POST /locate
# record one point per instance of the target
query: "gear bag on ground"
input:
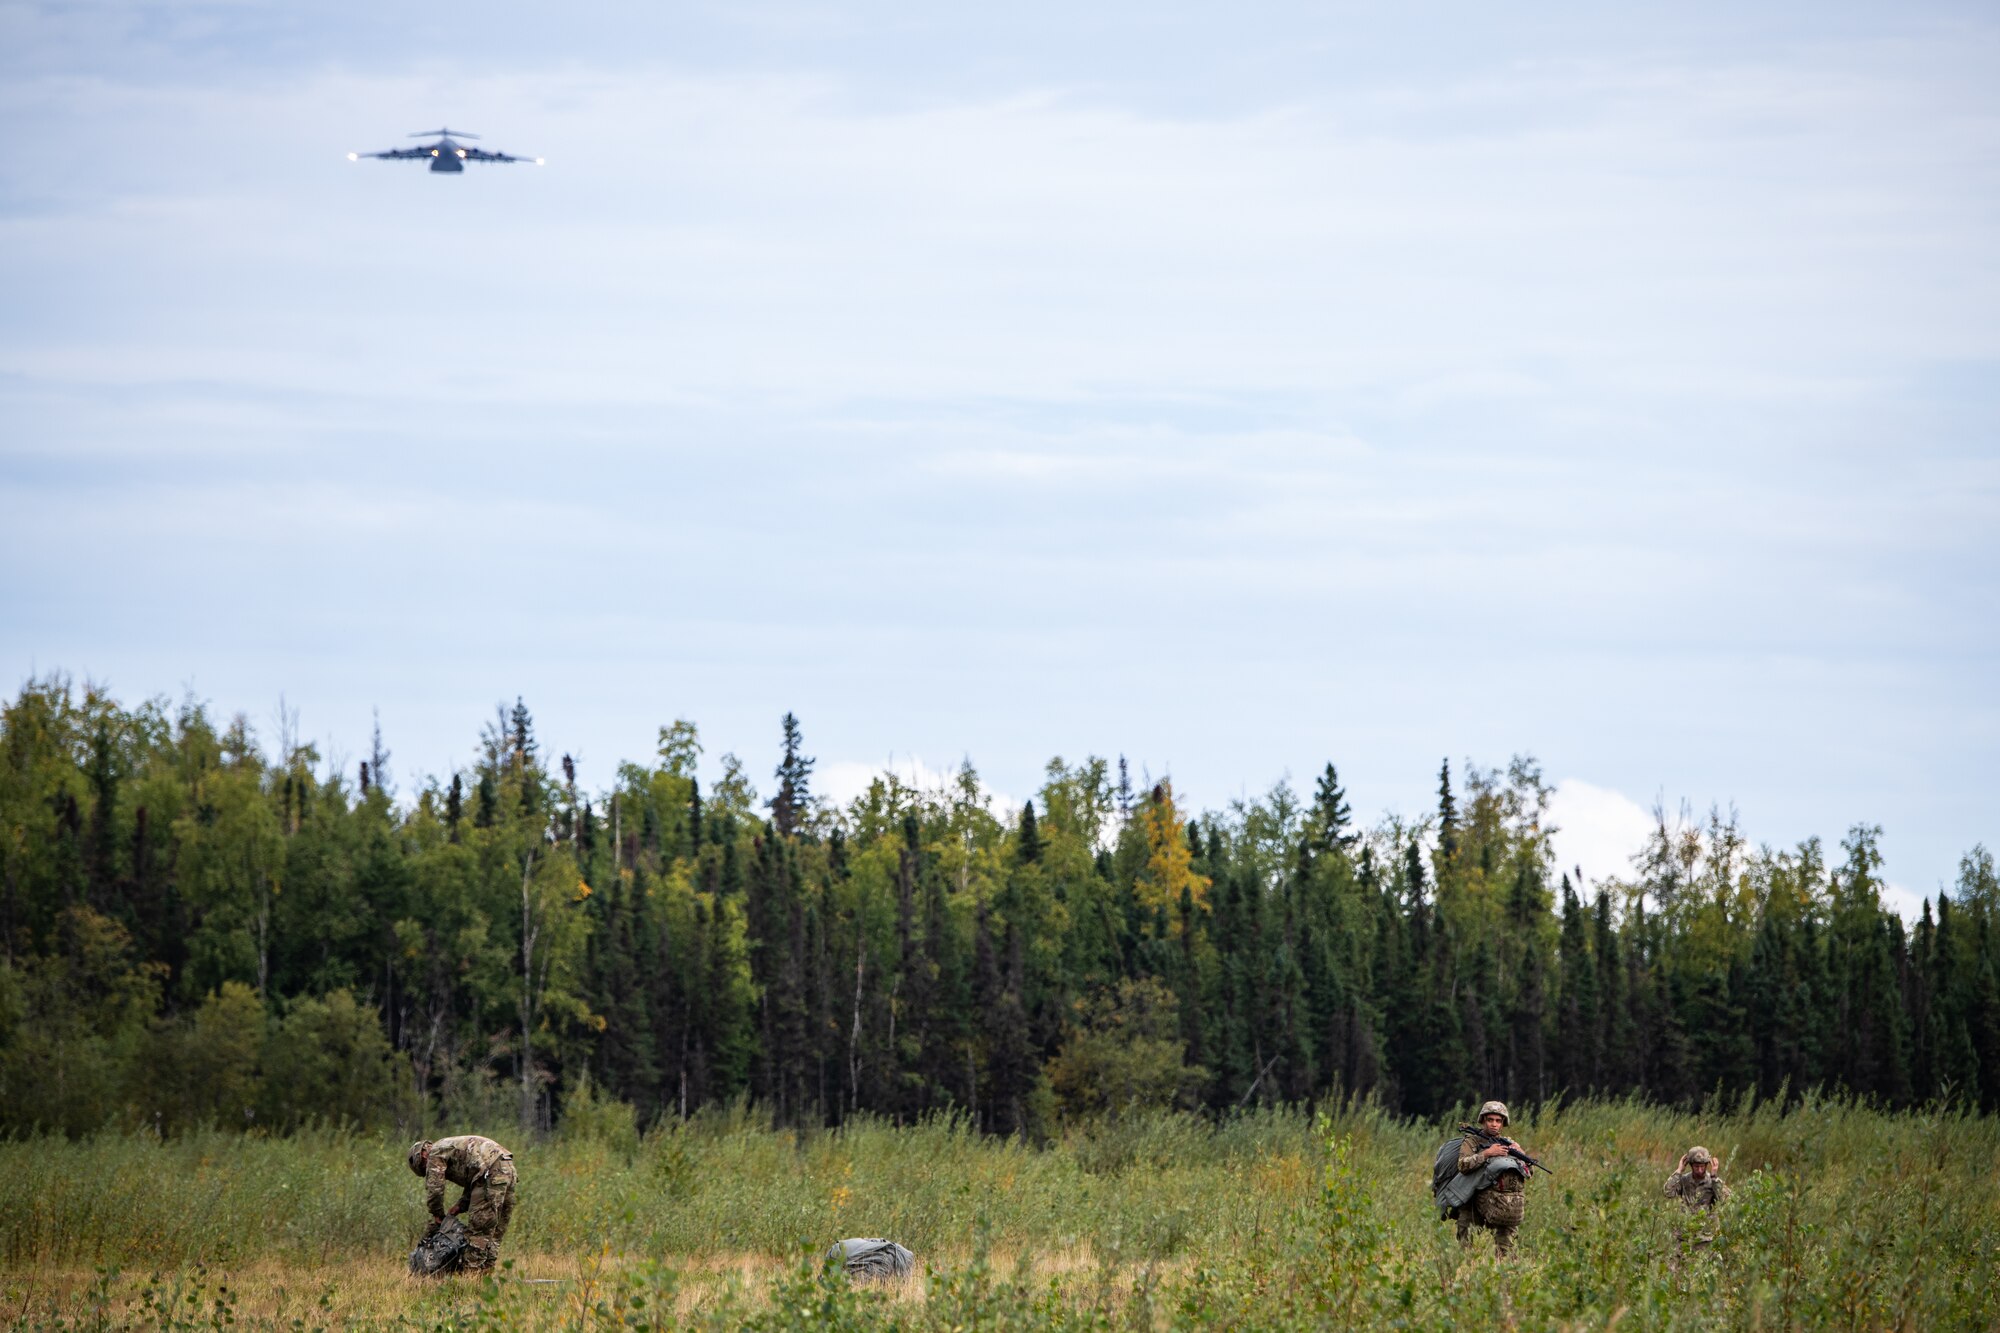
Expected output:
(871, 1257)
(440, 1253)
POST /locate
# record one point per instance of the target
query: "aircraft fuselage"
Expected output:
(446, 154)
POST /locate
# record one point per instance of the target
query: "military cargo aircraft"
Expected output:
(447, 154)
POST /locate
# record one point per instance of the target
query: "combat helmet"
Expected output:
(416, 1157)
(1700, 1154)
(1495, 1108)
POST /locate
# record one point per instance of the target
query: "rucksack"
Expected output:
(871, 1258)
(439, 1253)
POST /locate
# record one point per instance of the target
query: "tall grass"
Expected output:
(1843, 1217)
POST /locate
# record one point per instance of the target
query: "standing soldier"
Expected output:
(1695, 1182)
(1500, 1205)
(485, 1170)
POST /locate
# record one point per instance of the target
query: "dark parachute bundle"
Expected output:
(1450, 1187)
(440, 1252)
(1445, 1166)
(871, 1258)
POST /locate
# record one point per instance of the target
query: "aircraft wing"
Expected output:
(396, 152)
(481, 155)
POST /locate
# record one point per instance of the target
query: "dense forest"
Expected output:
(204, 926)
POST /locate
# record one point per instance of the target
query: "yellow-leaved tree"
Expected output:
(1169, 874)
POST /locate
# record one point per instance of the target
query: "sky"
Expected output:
(1234, 388)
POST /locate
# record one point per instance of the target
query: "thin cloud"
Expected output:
(1597, 829)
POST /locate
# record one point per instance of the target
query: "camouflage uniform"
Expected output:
(1499, 1207)
(1696, 1194)
(486, 1171)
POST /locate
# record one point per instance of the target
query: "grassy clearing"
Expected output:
(1843, 1217)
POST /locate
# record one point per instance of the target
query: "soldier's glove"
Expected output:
(432, 1229)
(457, 1208)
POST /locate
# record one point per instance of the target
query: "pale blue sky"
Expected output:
(1236, 388)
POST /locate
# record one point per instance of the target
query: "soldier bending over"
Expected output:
(485, 1170)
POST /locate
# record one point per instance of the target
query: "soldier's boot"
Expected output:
(481, 1253)
(1503, 1241)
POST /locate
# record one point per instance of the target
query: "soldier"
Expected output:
(1500, 1206)
(486, 1172)
(1695, 1182)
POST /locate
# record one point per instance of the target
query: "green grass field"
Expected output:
(1842, 1218)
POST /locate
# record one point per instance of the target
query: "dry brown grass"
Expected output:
(276, 1292)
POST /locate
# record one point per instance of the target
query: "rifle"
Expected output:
(1513, 1148)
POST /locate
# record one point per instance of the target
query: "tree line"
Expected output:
(199, 927)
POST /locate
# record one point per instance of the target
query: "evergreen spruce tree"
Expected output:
(1732, 1054)
(1816, 995)
(1028, 842)
(1188, 986)
(1266, 962)
(1577, 1056)
(1919, 1003)
(916, 981)
(1392, 993)
(1983, 1017)
(1483, 1027)
(1871, 1043)
(695, 828)
(102, 872)
(988, 986)
(666, 954)
(823, 1091)
(1778, 1008)
(731, 1039)
(378, 759)
(1447, 816)
(775, 915)
(1714, 1009)
(1002, 1022)
(1432, 1055)
(521, 756)
(625, 1063)
(1327, 824)
(1526, 1074)
(1615, 1069)
(1417, 902)
(1297, 1032)
(945, 1060)
(1233, 1003)
(1892, 1079)
(1955, 1060)
(794, 774)
(1658, 1001)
